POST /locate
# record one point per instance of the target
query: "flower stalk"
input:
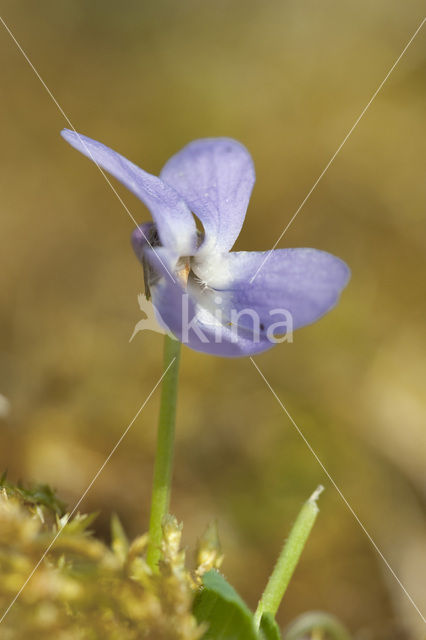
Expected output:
(164, 453)
(288, 558)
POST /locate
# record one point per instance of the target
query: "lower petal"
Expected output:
(292, 287)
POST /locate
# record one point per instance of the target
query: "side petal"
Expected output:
(178, 311)
(304, 283)
(175, 223)
(215, 177)
(142, 238)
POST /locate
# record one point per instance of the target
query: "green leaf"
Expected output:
(269, 627)
(221, 608)
(288, 558)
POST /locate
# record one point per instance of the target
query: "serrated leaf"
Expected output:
(269, 628)
(221, 608)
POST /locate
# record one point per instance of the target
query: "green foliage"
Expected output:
(289, 557)
(220, 607)
(226, 614)
(269, 627)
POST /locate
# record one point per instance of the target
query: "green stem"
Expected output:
(164, 455)
(288, 558)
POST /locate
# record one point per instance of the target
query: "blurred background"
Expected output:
(288, 79)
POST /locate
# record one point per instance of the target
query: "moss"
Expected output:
(82, 588)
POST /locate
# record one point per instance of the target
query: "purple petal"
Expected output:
(305, 283)
(178, 312)
(215, 177)
(175, 223)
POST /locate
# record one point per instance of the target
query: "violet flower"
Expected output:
(202, 292)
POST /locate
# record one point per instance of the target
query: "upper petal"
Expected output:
(175, 223)
(305, 283)
(215, 177)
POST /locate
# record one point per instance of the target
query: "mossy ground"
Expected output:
(84, 589)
